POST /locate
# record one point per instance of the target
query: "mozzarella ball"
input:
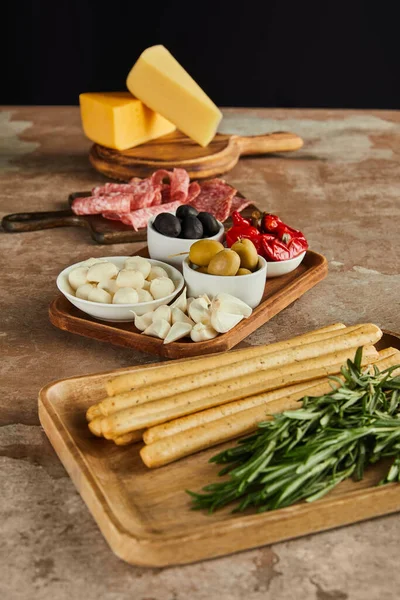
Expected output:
(161, 287)
(138, 263)
(144, 296)
(99, 295)
(128, 278)
(156, 272)
(84, 290)
(101, 271)
(110, 285)
(78, 277)
(125, 295)
(92, 261)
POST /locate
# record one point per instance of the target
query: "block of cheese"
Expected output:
(162, 84)
(120, 121)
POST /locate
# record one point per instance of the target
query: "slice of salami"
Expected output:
(193, 192)
(215, 197)
(95, 205)
(139, 218)
(113, 188)
(179, 185)
(239, 204)
(159, 176)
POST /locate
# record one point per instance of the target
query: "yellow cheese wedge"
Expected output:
(162, 84)
(118, 120)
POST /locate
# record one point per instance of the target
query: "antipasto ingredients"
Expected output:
(202, 332)
(130, 278)
(120, 121)
(178, 316)
(305, 453)
(192, 229)
(158, 328)
(143, 321)
(78, 277)
(247, 253)
(144, 296)
(181, 301)
(138, 263)
(125, 295)
(198, 311)
(210, 224)
(108, 284)
(163, 312)
(185, 105)
(101, 271)
(203, 251)
(178, 331)
(226, 263)
(222, 321)
(98, 295)
(167, 224)
(156, 272)
(141, 378)
(243, 272)
(84, 290)
(186, 211)
(230, 304)
(161, 287)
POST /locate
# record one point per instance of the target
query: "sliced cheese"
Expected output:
(162, 84)
(120, 121)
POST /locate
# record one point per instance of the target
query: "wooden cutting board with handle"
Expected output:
(177, 150)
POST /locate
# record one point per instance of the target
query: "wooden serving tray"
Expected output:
(278, 294)
(145, 514)
(103, 231)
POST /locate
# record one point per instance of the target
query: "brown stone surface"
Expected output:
(342, 190)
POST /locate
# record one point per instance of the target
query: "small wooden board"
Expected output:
(145, 515)
(279, 293)
(103, 231)
(177, 150)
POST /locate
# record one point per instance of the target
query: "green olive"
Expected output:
(201, 252)
(226, 262)
(247, 252)
(243, 271)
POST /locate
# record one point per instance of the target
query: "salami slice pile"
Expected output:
(136, 202)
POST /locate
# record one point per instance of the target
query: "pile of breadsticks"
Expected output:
(182, 407)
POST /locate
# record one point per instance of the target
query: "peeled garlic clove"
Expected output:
(178, 331)
(231, 304)
(144, 296)
(180, 302)
(99, 295)
(161, 287)
(163, 312)
(178, 316)
(92, 261)
(110, 285)
(158, 328)
(125, 295)
(142, 322)
(223, 321)
(84, 290)
(138, 263)
(206, 298)
(156, 272)
(101, 271)
(130, 278)
(146, 285)
(201, 332)
(198, 311)
(78, 277)
(189, 302)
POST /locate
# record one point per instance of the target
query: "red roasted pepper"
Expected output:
(242, 228)
(276, 241)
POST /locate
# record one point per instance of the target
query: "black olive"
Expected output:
(185, 210)
(192, 229)
(210, 224)
(167, 224)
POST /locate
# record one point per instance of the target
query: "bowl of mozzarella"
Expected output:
(115, 288)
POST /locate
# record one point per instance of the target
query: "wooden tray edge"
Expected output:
(155, 550)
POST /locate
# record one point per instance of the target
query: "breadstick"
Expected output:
(166, 409)
(129, 438)
(210, 434)
(160, 373)
(158, 432)
(351, 337)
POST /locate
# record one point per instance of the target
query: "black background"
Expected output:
(271, 53)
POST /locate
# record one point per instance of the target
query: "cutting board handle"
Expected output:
(35, 221)
(279, 141)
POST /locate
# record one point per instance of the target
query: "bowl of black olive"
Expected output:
(171, 234)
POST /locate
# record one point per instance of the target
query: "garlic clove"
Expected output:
(125, 295)
(143, 321)
(189, 302)
(161, 287)
(110, 285)
(178, 331)
(92, 261)
(156, 272)
(138, 263)
(178, 316)
(130, 278)
(99, 295)
(158, 328)
(101, 271)
(207, 299)
(198, 311)
(144, 296)
(84, 290)
(180, 302)
(163, 312)
(146, 285)
(78, 277)
(202, 332)
(231, 304)
(223, 321)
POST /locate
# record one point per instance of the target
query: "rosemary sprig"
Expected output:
(305, 453)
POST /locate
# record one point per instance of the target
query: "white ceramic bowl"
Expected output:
(161, 247)
(282, 267)
(249, 288)
(118, 312)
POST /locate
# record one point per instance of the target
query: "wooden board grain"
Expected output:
(177, 150)
(145, 515)
(278, 294)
